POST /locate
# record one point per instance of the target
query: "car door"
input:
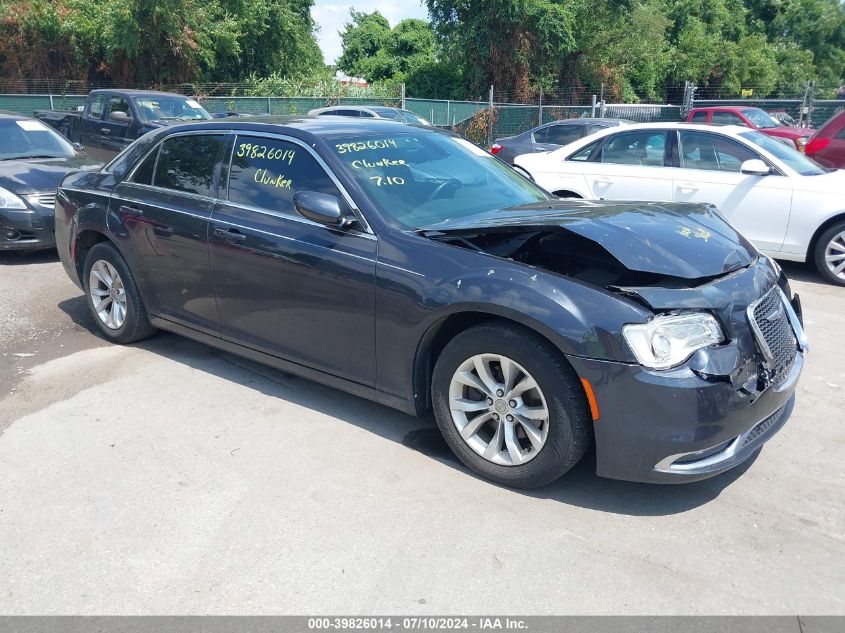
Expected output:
(630, 166)
(90, 123)
(114, 127)
(709, 171)
(285, 285)
(163, 209)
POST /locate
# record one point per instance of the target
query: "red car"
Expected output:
(754, 118)
(827, 147)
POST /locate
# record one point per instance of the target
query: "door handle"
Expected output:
(540, 149)
(603, 181)
(128, 210)
(687, 186)
(105, 130)
(230, 235)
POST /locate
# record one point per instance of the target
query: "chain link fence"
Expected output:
(484, 120)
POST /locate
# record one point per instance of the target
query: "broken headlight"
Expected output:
(670, 339)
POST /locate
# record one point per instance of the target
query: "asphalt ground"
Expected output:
(170, 478)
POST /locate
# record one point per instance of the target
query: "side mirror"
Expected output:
(119, 117)
(755, 167)
(79, 147)
(320, 207)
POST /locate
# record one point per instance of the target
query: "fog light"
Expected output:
(11, 234)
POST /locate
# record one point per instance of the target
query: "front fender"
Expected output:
(579, 319)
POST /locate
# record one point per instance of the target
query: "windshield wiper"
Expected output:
(27, 156)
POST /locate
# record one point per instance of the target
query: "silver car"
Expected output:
(372, 112)
(549, 137)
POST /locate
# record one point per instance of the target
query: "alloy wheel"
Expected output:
(498, 409)
(834, 255)
(107, 294)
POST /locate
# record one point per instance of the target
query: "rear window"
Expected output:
(187, 163)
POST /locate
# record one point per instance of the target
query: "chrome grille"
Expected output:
(774, 333)
(45, 199)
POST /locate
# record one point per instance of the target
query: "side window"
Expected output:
(118, 104)
(699, 117)
(364, 114)
(712, 152)
(841, 133)
(186, 163)
(645, 148)
(265, 173)
(584, 153)
(563, 134)
(144, 173)
(727, 118)
(98, 104)
(341, 113)
(541, 135)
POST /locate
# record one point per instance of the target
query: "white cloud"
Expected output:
(331, 16)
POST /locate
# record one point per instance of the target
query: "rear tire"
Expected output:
(829, 254)
(112, 296)
(496, 424)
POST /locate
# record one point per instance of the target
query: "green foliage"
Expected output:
(156, 41)
(640, 48)
(371, 49)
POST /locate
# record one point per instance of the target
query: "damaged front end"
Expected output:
(715, 406)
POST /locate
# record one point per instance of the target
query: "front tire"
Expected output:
(830, 254)
(509, 406)
(112, 296)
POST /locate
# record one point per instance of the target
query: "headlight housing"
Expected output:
(670, 339)
(8, 200)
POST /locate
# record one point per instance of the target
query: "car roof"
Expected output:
(14, 116)
(318, 126)
(137, 93)
(725, 108)
(583, 121)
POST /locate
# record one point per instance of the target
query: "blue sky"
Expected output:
(331, 16)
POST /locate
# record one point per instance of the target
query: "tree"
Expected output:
(504, 43)
(371, 49)
(156, 41)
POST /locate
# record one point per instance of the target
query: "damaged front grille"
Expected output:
(775, 336)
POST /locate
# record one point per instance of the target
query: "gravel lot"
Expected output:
(170, 478)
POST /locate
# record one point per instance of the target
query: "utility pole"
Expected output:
(403, 96)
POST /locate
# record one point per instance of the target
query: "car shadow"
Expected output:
(802, 271)
(579, 487)
(23, 258)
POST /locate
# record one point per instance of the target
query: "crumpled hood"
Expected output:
(41, 174)
(691, 241)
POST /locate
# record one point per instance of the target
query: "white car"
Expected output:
(786, 204)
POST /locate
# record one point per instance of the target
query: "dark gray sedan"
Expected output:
(549, 137)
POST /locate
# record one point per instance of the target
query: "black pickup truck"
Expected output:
(111, 119)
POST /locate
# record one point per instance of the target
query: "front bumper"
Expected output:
(27, 229)
(674, 427)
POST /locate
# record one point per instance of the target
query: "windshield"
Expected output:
(411, 117)
(388, 113)
(420, 179)
(162, 108)
(792, 157)
(31, 139)
(760, 119)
